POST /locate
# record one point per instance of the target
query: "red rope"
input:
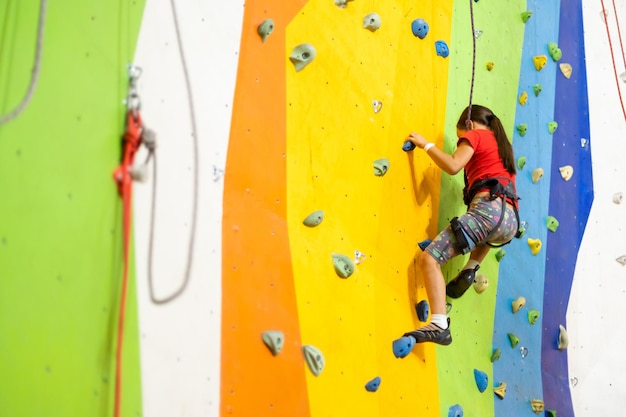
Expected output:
(132, 140)
(608, 34)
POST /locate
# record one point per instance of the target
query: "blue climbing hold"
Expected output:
(408, 146)
(373, 385)
(481, 380)
(419, 28)
(422, 310)
(424, 244)
(402, 347)
(442, 49)
(455, 411)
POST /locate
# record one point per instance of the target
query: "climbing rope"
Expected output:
(608, 34)
(194, 211)
(36, 68)
(619, 34)
(469, 109)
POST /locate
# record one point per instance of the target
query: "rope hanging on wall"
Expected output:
(608, 34)
(36, 68)
(194, 210)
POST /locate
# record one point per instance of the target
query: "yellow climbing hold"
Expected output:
(566, 172)
(540, 61)
(490, 65)
(523, 98)
(535, 245)
(566, 69)
(536, 175)
(537, 406)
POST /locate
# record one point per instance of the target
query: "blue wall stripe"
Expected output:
(570, 203)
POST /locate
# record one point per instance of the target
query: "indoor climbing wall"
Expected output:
(274, 232)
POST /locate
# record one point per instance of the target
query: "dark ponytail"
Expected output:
(483, 115)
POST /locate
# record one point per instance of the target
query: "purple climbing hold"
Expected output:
(419, 28)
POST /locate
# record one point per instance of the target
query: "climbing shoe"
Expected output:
(432, 333)
(461, 283)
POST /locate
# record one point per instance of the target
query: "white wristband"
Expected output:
(428, 146)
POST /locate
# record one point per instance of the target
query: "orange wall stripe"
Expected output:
(257, 279)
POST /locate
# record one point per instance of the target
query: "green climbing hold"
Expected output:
(552, 126)
(513, 339)
(533, 316)
(537, 89)
(274, 340)
(314, 359)
(526, 15)
(552, 223)
(344, 266)
(521, 161)
(495, 355)
(522, 128)
(314, 218)
(381, 166)
(500, 254)
(551, 413)
(554, 51)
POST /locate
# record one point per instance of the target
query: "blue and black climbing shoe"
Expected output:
(461, 283)
(432, 333)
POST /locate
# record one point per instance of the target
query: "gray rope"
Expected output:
(36, 69)
(194, 211)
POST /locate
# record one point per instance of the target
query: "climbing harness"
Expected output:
(496, 190)
(608, 34)
(36, 68)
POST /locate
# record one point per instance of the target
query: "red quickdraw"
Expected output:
(124, 180)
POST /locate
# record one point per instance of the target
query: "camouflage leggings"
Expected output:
(481, 217)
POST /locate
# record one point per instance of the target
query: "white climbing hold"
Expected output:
(622, 76)
(518, 303)
(359, 257)
(621, 260)
(342, 3)
(563, 339)
(617, 197)
(566, 172)
(566, 69)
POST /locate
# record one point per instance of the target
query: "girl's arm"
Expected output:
(450, 164)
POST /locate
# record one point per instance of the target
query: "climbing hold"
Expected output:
(302, 55)
(554, 51)
(514, 340)
(358, 257)
(500, 254)
(424, 244)
(523, 226)
(550, 413)
(481, 379)
(583, 142)
(537, 89)
(265, 29)
(480, 283)
(381, 166)
(622, 76)
(442, 49)
(139, 172)
(490, 65)
(526, 15)
(523, 351)
(274, 340)
(344, 267)
(540, 61)
(402, 346)
(419, 27)
(535, 245)
(378, 106)
(552, 223)
(521, 129)
(422, 309)
(621, 260)
(314, 358)
(372, 386)
(566, 70)
(521, 162)
(523, 98)
(536, 175)
(342, 3)
(537, 406)
(552, 126)
(495, 355)
(455, 411)
(566, 172)
(372, 22)
(563, 339)
(500, 390)
(478, 33)
(533, 316)
(617, 197)
(518, 303)
(314, 219)
(408, 146)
